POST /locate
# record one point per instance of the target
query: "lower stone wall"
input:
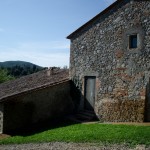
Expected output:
(38, 106)
(121, 110)
(1, 118)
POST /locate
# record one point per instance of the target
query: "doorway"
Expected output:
(90, 82)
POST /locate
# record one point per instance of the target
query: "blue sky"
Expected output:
(36, 30)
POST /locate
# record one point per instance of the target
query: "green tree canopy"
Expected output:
(4, 76)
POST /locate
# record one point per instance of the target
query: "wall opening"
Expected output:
(133, 41)
(89, 92)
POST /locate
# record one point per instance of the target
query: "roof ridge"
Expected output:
(106, 10)
(34, 89)
(36, 81)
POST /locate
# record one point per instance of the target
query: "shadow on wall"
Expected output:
(38, 108)
(147, 103)
(42, 110)
(76, 96)
(84, 105)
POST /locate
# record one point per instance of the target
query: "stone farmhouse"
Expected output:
(110, 62)
(109, 74)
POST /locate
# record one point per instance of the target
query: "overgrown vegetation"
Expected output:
(4, 76)
(97, 133)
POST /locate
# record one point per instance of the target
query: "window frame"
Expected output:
(135, 30)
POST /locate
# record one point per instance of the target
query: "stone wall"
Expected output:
(102, 49)
(37, 106)
(1, 118)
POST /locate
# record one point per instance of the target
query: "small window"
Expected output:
(133, 41)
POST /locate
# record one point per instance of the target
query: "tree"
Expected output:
(4, 76)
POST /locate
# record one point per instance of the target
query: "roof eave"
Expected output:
(7, 98)
(93, 19)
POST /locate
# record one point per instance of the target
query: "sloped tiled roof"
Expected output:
(39, 80)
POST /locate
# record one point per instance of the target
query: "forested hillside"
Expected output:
(19, 68)
(7, 64)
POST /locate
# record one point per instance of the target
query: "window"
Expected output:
(133, 41)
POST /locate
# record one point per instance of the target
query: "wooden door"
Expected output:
(90, 92)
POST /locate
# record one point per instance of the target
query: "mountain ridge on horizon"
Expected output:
(7, 64)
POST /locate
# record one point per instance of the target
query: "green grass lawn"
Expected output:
(97, 133)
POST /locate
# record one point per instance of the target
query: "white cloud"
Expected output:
(47, 54)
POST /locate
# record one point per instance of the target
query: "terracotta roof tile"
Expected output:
(34, 81)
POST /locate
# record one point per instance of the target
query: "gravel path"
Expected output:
(68, 146)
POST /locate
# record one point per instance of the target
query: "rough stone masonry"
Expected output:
(1, 118)
(102, 48)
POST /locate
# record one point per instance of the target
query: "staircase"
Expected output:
(83, 116)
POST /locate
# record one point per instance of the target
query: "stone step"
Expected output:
(86, 113)
(83, 116)
(74, 119)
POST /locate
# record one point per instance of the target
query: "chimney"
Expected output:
(50, 71)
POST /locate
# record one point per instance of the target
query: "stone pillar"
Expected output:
(1, 117)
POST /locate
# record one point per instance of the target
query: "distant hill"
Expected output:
(20, 68)
(10, 64)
